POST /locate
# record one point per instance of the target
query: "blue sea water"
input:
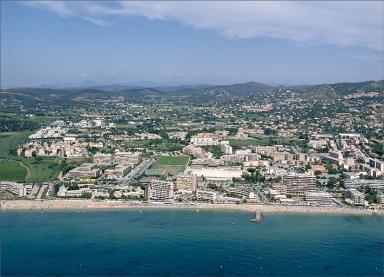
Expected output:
(189, 243)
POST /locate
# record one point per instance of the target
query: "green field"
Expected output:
(43, 169)
(11, 170)
(11, 140)
(172, 164)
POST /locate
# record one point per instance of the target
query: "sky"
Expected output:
(64, 43)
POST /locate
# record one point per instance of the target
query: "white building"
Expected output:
(161, 190)
(206, 195)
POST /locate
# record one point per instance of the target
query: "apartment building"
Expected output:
(86, 170)
(161, 190)
(131, 158)
(298, 184)
(186, 182)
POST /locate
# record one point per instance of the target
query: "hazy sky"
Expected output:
(69, 42)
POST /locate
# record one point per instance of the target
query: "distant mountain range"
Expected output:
(194, 94)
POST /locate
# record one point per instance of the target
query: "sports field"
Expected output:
(172, 164)
(172, 160)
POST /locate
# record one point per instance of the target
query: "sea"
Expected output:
(189, 243)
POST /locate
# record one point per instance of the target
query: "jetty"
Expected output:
(258, 217)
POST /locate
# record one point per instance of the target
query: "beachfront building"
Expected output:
(16, 188)
(318, 199)
(206, 195)
(356, 197)
(300, 183)
(64, 192)
(161, 190)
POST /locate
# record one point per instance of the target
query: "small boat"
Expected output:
(257, 217)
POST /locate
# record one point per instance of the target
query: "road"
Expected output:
(263, 198)
(137, 171)
(41, 191)
(35, 190)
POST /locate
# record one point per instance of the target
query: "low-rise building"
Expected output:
(18, 189)
(101, 159)
(86, 170)
(64, 192)
(129, 158)
(318, 199)
(117, 172)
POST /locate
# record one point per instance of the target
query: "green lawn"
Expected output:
(172, 164)
(11, 170)
(40, 170)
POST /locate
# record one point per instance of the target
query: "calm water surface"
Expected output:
(189, 243)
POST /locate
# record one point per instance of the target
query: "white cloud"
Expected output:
(341, 23)
(83, 75)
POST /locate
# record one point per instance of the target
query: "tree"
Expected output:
(370, 195)
(270, 132)
(86, 195)
(212, 186)
(332, 181)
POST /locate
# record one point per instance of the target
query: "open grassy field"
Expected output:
(11, 140)
(43, 169)
(172, 164)
(11, 170)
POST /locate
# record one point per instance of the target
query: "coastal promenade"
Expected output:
(115, 204)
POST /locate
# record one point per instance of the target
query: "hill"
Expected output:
(183, 94)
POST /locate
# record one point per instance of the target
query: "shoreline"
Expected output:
(69, 204)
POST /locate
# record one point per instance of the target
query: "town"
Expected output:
(278, 149)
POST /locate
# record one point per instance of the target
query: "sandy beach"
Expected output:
(60, 204)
